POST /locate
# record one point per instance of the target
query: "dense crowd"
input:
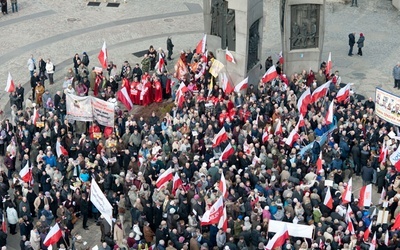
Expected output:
(267, 179)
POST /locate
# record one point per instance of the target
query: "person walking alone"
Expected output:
(352, 41)
(396, 75)
(50, 71)
(360, 44)
(170, 47)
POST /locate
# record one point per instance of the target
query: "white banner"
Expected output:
(79, 108)
(99, 200)
(295, 230)
(387, 106)
(103, 112)
(90, 108)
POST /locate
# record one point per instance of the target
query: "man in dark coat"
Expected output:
(352, 41)
(170, 47)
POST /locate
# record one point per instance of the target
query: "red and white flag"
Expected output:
(26, 173)
(226, 84)
(241, 85)
(395, 159)
(383, 153)
(223, 221)
(35, 116)
(103, 56)
(350, 225)
(278, 128)
(346, 196)
(164, 178)
(53, 236)
(160, 63)
(201, 46)
(176, 183)
(328, 201)
(396, 224)
(343, 93)
(220, 137)
(228, 151)
(329, 115)
(383, 196)
(328, 65)
(321, 91)
(270, 74)
(213, 215)
(367, 232)
(279, 238)
(180, 95)
(265, 136)
(373, 244)
(222, 186)
(4, 224)
(365, 196)
(292, 138)
(304, 100)
(60, 150)
(319, 163)
(229, 56)
(280, 58)
(10, 87)
(124, 98)
(301, 122)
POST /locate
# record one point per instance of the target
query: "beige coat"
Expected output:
(118, 234)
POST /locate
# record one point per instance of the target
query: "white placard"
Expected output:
(99, 200)
(295, 230)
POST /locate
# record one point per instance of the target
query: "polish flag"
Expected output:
(343, 93)
(180, 94)
(281, 59)
(321, 91)
(4, 224)
(35, 116)
(229, 56)
(201, 46)
(350, 225)
(293, 136)
(346, 196)
(328, 201)
(304, 100)
(223, 221)
(241, 85)
(222, 186)
(301, 122)
(176, 183)
(329, 114)
(396, 224)
(213, 215)
(328, 65)
(395, 159)
(226, 84)
(265, 136)
(270, 74)
(279, 238)
(386, 238)
(383, 196)
(10, 87)
(373, 245)
(319, 163)
(383, 153)
(60, 149)
(365, 196)
(160, 63)
(367, 232)
(26, 173)
(103, 56)
(53, 236)
(164, 178)
(124, 98)
(220, 137)
(278, 128)
(228, 151)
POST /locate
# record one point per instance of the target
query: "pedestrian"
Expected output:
(50, 71)
(4, 7)
(396, 75)
(354, 3)
(352, 41)
(14, 5)
(170, 47)
(31, 65)
(360, 44)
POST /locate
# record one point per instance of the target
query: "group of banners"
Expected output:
(89, 108)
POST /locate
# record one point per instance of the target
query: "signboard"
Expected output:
(100, 201)
(387, 106)
(295, 230)
(103, 112)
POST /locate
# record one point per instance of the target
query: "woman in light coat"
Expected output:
(35, 239)
(118, 232)
(12, 218)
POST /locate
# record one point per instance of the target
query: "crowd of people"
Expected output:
(266, 178)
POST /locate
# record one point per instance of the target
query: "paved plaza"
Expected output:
(58, 29)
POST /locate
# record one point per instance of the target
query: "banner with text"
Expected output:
(295, 230)
(387, 106)
(90, 108)
(100, 201)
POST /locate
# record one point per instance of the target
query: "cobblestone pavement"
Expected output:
(59, 29)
